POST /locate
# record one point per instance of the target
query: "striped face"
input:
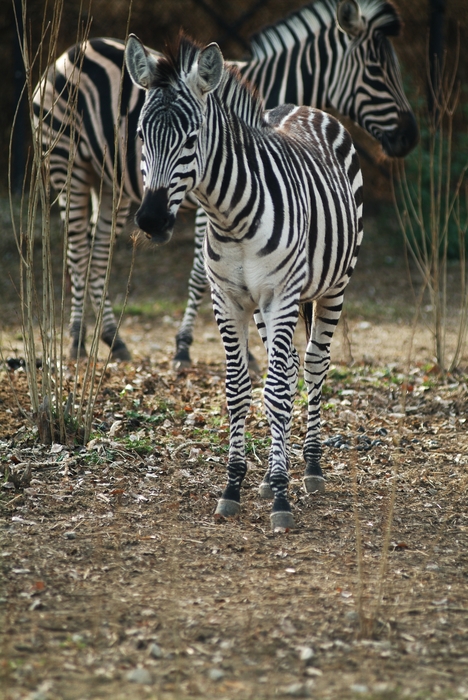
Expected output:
(369, 87)
(338, 53)
(171, 162)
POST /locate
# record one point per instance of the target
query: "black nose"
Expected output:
(403, 139)
(153, 216)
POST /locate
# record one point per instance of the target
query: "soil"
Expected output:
(116, 580)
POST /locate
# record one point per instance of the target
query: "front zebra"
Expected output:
(329, 53)
(284, 231)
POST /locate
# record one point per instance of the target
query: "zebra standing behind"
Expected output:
(283, 194)
(329, 53)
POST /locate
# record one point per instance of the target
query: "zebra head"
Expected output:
(368, 85)
(171, 119)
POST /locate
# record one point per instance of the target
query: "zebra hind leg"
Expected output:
(78, 341)
(119, 350)
(197, 287)
(100, 253)
(264, 490)
(316, 363)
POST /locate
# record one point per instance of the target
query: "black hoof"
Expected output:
(265, 491)
(227, 508)
(77, 351)
(121, 353)
(181, 359)
(313, 484)
(282, 520)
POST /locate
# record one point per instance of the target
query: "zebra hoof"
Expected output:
(181, 359)
(265, 490)
(180, 365)
(282, 520)
(121, 353)
(314, 484)
(77, 352)
(227, 508)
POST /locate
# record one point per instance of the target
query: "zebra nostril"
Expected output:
(404, 138)
(153, 216)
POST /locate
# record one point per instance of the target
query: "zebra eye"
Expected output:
(191, 141)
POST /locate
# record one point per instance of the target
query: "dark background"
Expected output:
(230, 23)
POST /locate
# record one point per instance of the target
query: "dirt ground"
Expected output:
(116, 581)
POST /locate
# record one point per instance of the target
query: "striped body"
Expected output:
(305, 59)
(282, 191)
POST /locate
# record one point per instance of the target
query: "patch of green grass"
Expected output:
(150, 309)
(254, 444)
(141, 445)
(93, 457)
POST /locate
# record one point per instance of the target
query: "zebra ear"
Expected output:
(140, 64)
(349, 18)
(206, 75)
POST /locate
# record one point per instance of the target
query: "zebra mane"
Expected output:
(309, 20)
(233, 94)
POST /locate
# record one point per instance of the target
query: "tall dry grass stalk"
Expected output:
(432, 212)
(61, 409)
(369, 612)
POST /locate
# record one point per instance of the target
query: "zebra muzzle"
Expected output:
(398, 143)
(154, 218)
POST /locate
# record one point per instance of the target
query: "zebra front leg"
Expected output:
(100, 259)
(197, 287)
(280, 388)
(265, 490)
(198, 284)
(326, 314)
(234, 333)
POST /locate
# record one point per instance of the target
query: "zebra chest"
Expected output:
(249, 279)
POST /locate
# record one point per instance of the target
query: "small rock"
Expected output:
(71, 535)
(215, 674)
(298, 690)
(352, 616)
(359, 688)
(139, 675)
(155, 651)
(306, 653)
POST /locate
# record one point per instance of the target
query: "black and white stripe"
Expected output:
(327, 54)
(282, 191)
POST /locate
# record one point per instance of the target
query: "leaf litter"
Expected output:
(116, 575)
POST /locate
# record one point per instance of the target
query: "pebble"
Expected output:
(155, 651)
(358, 688)
(352, 616)
(139, 675)
(215, 674)
(71, 535)
(306, 653)
(298, 690)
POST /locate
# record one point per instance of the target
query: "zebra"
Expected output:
(330, 53)
(282, 190)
